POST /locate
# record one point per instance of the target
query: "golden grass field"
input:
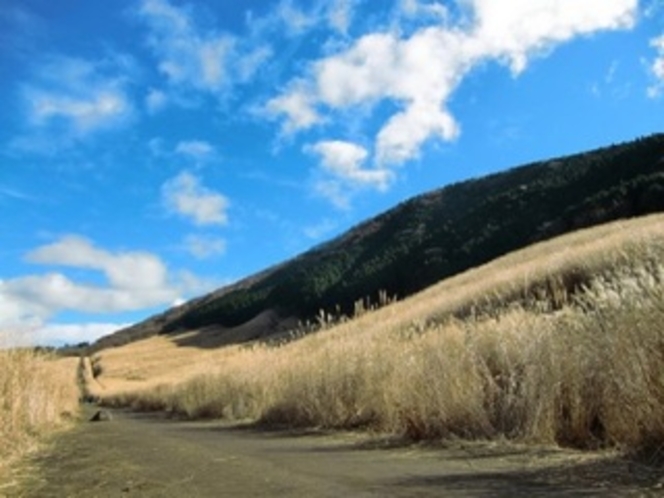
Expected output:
(562, 342)
(38, 395)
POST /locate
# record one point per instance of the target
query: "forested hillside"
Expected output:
(436, 235)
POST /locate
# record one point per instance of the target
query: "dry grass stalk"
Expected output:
(560, 343)
(38, 394)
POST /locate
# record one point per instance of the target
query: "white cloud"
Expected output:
(85, 96)
(419, 72)
(187, 56)
(185, 195)
(657, 67)
(341, 174)
(298, 106)
(131, 270)
(295, 19)
(402, 136)
(500, 30)
(199, 150)
(334, 192)
(417, 9)
(340, 15)
(205, 247)
(72, 334)
(86, 113)
(292, 18)
(344, 160)
(133, 281)
(196, 57)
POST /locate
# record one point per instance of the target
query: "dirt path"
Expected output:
(149, 456)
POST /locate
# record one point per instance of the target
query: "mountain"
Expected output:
(428, 238)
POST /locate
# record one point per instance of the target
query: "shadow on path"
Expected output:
(144, 455)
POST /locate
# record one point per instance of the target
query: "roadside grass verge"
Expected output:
(38, 395)
(560, 343)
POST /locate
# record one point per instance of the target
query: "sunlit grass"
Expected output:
(38, 395)
(561, 343)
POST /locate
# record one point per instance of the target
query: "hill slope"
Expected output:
(434, 236)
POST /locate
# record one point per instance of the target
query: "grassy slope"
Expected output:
(437, 235)
(509, 349)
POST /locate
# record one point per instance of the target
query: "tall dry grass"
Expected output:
(38, 394)
(562, 343)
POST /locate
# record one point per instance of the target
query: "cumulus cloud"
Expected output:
(344, 160)
(418, 72)
(500, 30)
(657, 67)
(79, 96)
(185, 196)
(132, 270)
(342, 173)
(133, 280)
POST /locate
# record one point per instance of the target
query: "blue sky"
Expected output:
(153, 150)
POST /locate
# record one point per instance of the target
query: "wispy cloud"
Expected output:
(74, 97)
(184, 195)
(155, 101)
(187, 56)
(657, 68)
(15, 194)
(298, 106)
(321, 229)
(199, 150)
(340, 14)
(203, 247)
(196, 56)
(612, 85)
(418, 9)
(247, 65)
(294, 19)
